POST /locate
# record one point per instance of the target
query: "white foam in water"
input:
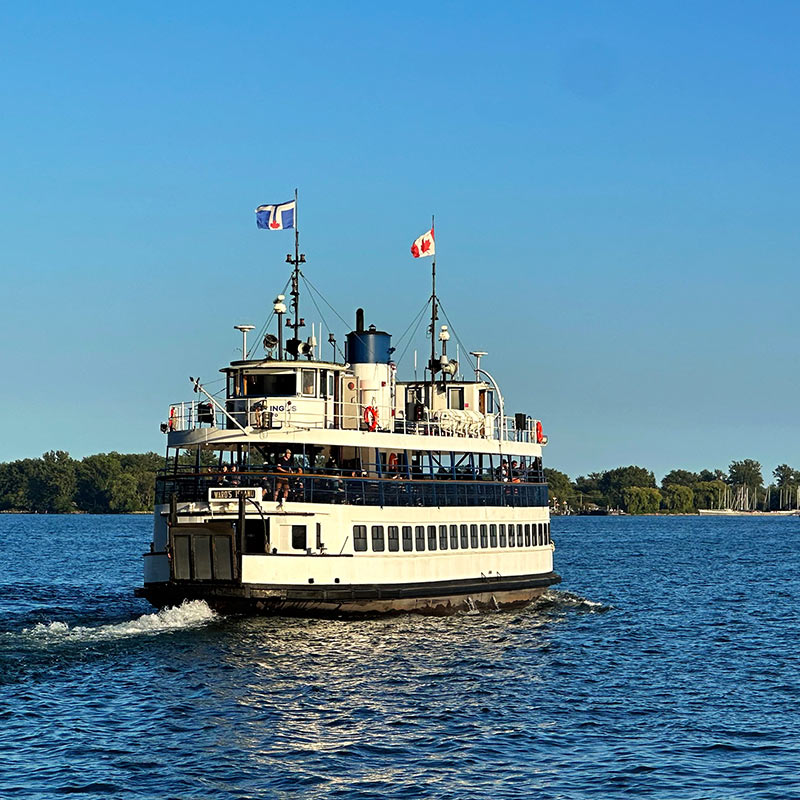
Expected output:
(570, 599)
(190, 614)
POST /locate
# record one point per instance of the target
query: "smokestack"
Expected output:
(359, 320)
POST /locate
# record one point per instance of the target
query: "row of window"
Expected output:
(450, 537)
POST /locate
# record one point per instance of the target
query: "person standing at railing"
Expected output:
(235, 478)
(285, 467)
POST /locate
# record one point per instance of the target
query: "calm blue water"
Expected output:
(665, 666)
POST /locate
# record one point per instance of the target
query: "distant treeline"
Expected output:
(106, 483)
(634, 489)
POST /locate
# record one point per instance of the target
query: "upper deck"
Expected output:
(329, 403)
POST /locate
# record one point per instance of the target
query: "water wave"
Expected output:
(190, 614)
(558, 598)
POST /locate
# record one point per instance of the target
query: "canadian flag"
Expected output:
(424, 246)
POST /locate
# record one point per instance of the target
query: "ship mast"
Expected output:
(434, 363)
(299, 258)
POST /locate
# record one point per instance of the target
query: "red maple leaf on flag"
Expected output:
(274, 224)
(415, 250)
(426, 245)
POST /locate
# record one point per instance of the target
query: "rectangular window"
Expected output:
(419, 532)
(431, 537)
(456, 398)
(464, 538)
(512, 536)
(540, 538)
(473, 536)
(548, 534)
(454, 537)
(281, 384)
(394, 538)
(378, 545)
(309, 381)
(359, 538)
(408, 544)
(503, 541)
(443, 537)
(493, 535)
(330, 384)
(519, 535)
(484, 536)
(528, 536)
(299, 537)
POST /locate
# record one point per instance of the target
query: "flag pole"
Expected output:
(434, 309)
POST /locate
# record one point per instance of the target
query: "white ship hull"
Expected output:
(329, 577)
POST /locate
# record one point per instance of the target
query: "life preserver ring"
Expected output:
(393, 462)
(539, 433)
(371, 417)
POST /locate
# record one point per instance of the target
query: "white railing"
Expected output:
(194, 414)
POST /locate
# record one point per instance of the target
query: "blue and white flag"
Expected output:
(276, 217)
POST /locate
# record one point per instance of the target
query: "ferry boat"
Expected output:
(319, 487)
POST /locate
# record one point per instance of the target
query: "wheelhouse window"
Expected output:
(393, 533)
(431, 537)
(419, 536)
(512, 536)
(473, 536)
(443, 537)
(309, 381)
(272, 384)
(408, 544)
(548, 534)
(464, 538)
(503, 540)
(360, 538)
(454, 537)
(528, 536)
(493, 535)
(378, 544)
(484, 536)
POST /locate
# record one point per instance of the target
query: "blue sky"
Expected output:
(615, 190)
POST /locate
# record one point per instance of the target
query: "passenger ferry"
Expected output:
(332, 488)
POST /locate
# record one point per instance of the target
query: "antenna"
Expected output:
(478, 355)
(244, 329)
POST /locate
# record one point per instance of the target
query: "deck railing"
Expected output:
(187, 416)
(354, 489)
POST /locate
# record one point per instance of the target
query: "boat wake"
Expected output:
(555, 599)
(190, 614)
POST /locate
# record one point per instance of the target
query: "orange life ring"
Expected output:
(393, 462)
(371, 417)
(539, 433)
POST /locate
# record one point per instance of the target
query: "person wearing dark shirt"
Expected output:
(285, 467)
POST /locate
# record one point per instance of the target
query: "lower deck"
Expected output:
(308, 558)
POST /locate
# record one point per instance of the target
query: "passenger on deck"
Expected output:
(234, 479)
(285, 467)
